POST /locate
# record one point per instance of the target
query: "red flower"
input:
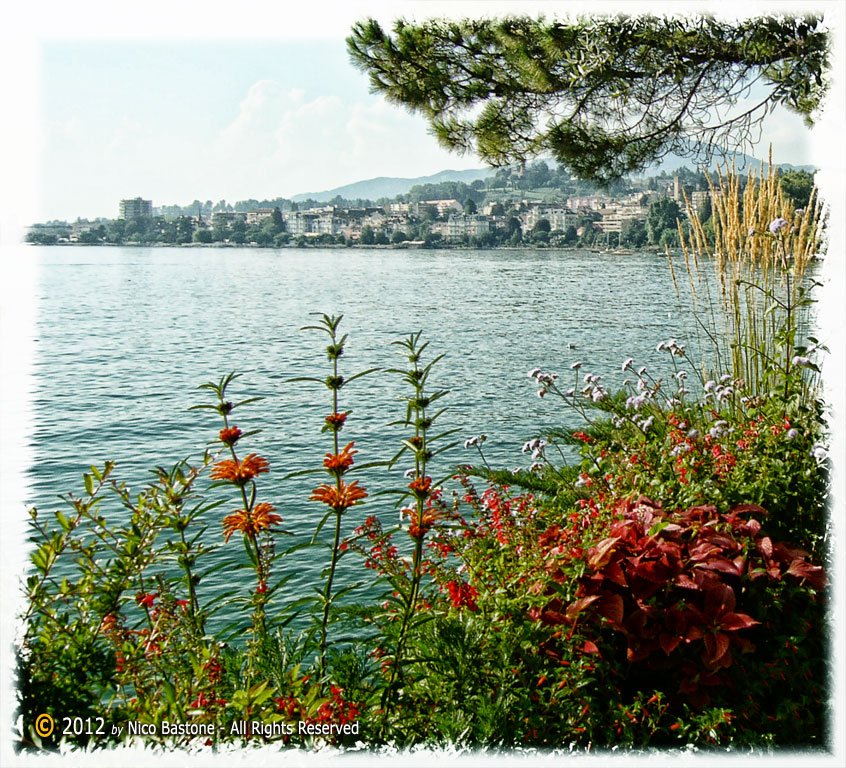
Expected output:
(339, 497)
(462, 595)
(252, 522)
(230, 435)
(145, 600)
(240, 472)
(340, 462)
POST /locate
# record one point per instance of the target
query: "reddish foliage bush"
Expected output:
(680, 588)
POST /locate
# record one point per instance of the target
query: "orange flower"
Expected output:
(335, 421)
(339, 498)
(420, 526)
(240, 473)
(420, 486)
(230, 435)
(340, 462)
(261, 518)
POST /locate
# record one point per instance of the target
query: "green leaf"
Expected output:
(63, 520)
(360, 374)
(250, 553)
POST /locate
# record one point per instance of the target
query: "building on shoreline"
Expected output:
(136, 208)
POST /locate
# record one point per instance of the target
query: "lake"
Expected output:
(125, 335)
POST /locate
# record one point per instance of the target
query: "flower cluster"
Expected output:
(340, 462)
(240, 472)
(251, 522)
(671, 346)
(462, 595)
(339, 497)
(334, 422)
(545, 380)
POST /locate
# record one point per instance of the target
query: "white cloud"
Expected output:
(283, 142)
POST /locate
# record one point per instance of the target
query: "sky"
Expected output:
(219, 103)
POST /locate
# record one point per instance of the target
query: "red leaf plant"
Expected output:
(671, 583)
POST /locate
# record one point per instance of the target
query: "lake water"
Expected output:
(125, 336)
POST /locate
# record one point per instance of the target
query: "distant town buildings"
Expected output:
(531, 217)
(136, 209)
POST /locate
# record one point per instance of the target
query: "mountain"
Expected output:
(390, 187)
(387, 186)
(743, 162)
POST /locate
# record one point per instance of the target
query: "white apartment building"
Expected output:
(459, 227)
(559, 217)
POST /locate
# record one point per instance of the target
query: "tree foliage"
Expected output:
(604, 95)
(660, 218)
(797, 185)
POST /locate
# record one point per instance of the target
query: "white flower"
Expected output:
(776, 225)
(635, 402)
(581, 482)
(409, 473)
(598, 394)
(575, 366)
(710, 384)
(533, 374)
(647, 423)
(570, 392)
(693, 434)
(802, 362)
(534, 445)
(681, 375)
(641, 370)
(792, 433)
(627, 363)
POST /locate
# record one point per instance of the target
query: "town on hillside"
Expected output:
(534, 205)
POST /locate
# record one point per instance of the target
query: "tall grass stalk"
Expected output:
(748, 278)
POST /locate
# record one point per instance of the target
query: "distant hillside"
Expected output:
(742, 162)
(386, 186)
(390, 187)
